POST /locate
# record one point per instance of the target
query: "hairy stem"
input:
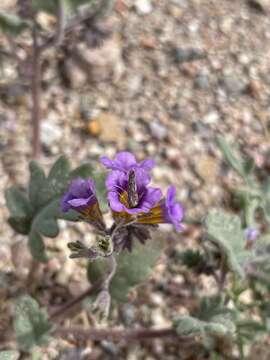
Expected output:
(120, 335)
(59, 35)
(66, 307)
(36, 92)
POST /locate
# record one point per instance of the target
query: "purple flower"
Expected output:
(81, 195)
(168, 211)
(125, 161)
(252, 234)
(118, 192)
(173, 211)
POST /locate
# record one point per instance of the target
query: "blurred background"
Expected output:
(161, 79)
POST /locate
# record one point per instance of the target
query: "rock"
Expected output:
(94, 128)
(50, 133)
(207, 168)
(233, 84)
(158, 130)
(262, 6)
(20, 257)
(254, 89)
(101, 63)
(143, 7)
(134, 84)
(202, 81)
(110, 128)
(175, 11)
(72, 76)
(211, 118)
(128, 314)
(181, 55)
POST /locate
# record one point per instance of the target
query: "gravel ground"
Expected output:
(178, 73)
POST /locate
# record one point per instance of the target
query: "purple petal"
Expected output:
(142, 178)
(150, 198)
(125, 159)
(116, 180)
(65, 206)
(115, 204)
(82, 202)
(106, 162)
(79, 188)
(147, 164)
(171, 193)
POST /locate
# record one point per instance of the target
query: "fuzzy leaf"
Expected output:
(37, 247)
(51, 6)
(59, 176)
(9, 355)
(31, 324)
(21, 226)
(225, 231)
(132, 268)
(12, 24)
(84, 171)
(17, 203)
(40, 190)
(233, 161)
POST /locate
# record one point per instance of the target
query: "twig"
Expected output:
(91, 290)
(120, 335)
(36, 92)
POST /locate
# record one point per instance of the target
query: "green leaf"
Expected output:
(84, 171)
(21, 226)
(132, 268)
(51, 6)
(225, 231)
(31, 324)
(101, 190)
(213, 319)
(249, 166)
(9, 355)
(233, 161)
(17, 203)
(37, 247)
(40, 190)
(59, 176)
(45, 221)
(12, 24)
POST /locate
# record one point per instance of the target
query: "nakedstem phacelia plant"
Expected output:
(136, 206)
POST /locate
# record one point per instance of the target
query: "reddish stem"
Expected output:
(119, 335)
(36, 95)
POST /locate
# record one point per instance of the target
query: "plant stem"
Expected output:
(120, 335)
(36, 92)
(91, 290)
(108, 279)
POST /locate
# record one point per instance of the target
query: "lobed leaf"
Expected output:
(9, 355)
(12, 24)
(37, 247)
(31, 324)
(18, 203)
(226, 232)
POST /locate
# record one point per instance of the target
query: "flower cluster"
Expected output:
(135, 205)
